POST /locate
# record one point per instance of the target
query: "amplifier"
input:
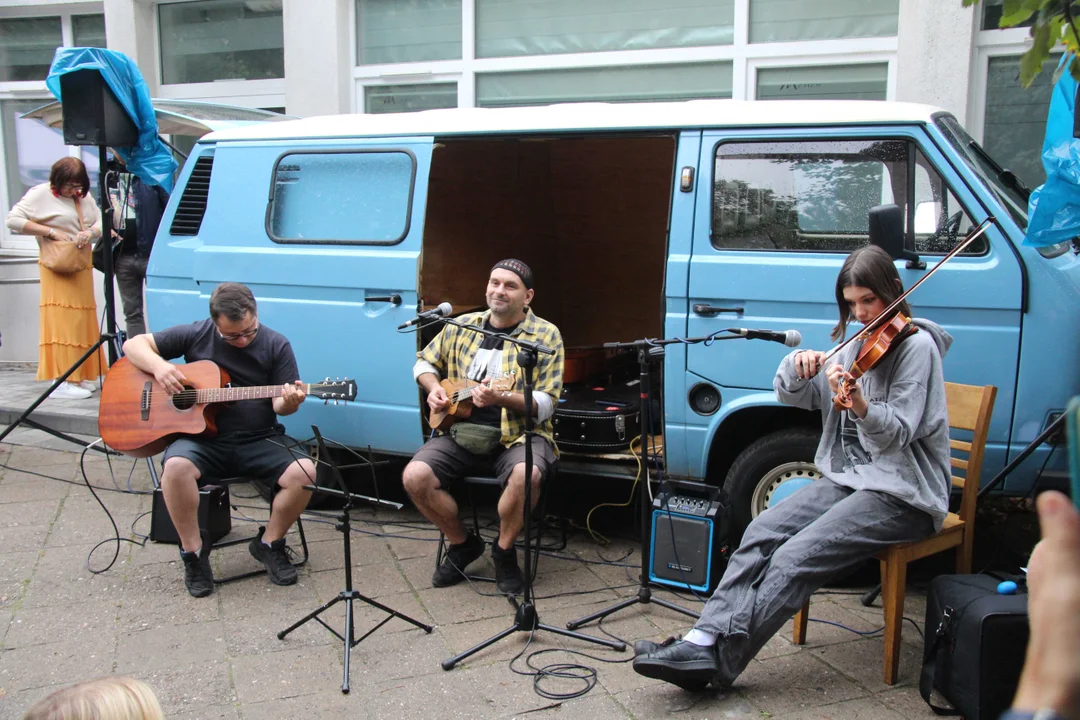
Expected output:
(687, 535)
(214, 516)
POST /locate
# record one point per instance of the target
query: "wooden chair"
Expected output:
(970, 408)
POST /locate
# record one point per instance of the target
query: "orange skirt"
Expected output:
(69, 325)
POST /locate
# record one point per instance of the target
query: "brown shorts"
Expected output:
(450, 462)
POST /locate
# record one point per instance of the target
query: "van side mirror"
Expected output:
(887, 232)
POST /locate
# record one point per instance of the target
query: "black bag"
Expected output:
(598, 418)
(974, 645)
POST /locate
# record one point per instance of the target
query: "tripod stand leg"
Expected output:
(613, 644)
(348, 644)
(676, 608)
(310, 616)
(573, 624)
(449, 663)
(392, 612)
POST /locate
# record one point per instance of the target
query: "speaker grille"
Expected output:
(189, 214)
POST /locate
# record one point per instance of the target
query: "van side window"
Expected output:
(816, 195)
(346, 196)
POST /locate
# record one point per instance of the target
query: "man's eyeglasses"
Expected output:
(241, 335)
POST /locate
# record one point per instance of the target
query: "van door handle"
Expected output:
(394, 299)
(710, 310)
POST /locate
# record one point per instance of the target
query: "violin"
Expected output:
(884, 332)
(878, 344)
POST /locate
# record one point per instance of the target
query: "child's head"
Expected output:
(870, 268)
(107, 698)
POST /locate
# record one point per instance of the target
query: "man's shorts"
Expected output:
(261, 456)
(450, 462)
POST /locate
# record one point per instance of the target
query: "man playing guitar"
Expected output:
(249, 442)
(461, 354)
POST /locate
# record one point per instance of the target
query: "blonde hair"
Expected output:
(107, 698)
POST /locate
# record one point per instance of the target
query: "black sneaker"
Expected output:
(198, 575)
(508, 578)
(274, 557)
(457, 558)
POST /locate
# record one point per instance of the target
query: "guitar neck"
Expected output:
(231, 394)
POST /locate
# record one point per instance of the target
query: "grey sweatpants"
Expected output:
(130, 276)
(791, 550)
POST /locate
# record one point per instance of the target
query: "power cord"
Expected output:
(116, 531)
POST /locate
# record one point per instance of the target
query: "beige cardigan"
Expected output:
(41, 206)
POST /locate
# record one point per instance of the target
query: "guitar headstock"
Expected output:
(334, 390)
(503, 383)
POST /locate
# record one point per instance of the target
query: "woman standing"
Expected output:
(66, 221)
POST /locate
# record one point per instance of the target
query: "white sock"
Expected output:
(266, 543)
(194, 552)
(700, 637)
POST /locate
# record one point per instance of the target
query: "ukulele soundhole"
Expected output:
(185, 399)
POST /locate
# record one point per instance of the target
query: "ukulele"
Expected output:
(459, 392)
(138, 418)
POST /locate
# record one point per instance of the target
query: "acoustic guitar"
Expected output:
(459, 392)
(138, 418)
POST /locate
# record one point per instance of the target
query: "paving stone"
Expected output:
(375, 581)
(164, 647)
(16, 569)
(588, 707)
(446, 694)
(861, 709)
(201, 690)
(13, 705)
(36, 512)
(663, 699)
(329, 554)
(20, 539)
(286, 674)
(78, 623)
(61, 578)
(20, 492)
(56, 663)
(327, 705)
(864, 661)
(907, 702)
(461, 603)
(794, 682)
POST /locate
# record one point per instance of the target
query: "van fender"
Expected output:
(741, 420)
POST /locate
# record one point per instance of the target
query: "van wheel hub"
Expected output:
(776, 477)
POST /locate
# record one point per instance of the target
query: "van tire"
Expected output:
(762, 466)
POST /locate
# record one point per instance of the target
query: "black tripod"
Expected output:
(348, 595)
(525, 616)
(110, 335)
(645, 349)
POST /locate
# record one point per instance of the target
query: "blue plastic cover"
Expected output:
(150, 159)
(1054, 207)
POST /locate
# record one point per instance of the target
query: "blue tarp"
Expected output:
(1054, 207)
(150, 159)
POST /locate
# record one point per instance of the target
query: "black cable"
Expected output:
(116, 531)
(75, 482)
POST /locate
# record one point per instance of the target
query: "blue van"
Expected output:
(639, 220)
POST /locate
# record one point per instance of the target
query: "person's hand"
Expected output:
(1051, 676)
(483, 395)
(808, 363)
(292, 396)
(835, 375)
(437, 399)
(169, 377)
(61, 236)
(83, 238)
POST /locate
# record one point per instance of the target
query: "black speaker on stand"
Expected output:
(93, 116)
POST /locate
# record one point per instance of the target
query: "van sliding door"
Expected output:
(327, 235)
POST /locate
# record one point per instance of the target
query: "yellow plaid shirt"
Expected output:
(453, 348)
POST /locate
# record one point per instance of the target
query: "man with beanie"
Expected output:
(463, 355)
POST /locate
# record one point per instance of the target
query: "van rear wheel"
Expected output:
(765, 465)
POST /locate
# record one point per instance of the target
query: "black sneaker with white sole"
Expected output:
(278, 566)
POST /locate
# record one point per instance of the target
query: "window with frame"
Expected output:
(816, 196)
(410, 98)
(27, 46)
(348, 196)
(210, 40)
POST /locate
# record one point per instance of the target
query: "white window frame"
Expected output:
(990, 44)
(745, 57)
(36, 90)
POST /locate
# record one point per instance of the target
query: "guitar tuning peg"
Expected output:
(327, 379)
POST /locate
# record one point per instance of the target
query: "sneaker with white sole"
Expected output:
(69, 391)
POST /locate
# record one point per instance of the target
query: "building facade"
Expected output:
(311, 57)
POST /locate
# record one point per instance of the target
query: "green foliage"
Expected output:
(1053, 22)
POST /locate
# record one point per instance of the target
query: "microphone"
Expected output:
(443, 310)
(791, 338)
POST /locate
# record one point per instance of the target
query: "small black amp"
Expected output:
(214, 516)
(687, 535)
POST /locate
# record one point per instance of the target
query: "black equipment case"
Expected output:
(974, 646)
(598, 418)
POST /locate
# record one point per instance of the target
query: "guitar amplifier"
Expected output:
(214, 516)
(598, 418)
(687, 534)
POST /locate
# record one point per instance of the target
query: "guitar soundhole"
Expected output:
(185, 399)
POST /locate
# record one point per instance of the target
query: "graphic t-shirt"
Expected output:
(488, 363)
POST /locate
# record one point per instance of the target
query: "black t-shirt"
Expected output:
(267, 360)
(488, 362)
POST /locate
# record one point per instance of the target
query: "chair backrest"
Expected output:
(970, 408)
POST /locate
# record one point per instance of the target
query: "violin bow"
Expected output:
(887, 312)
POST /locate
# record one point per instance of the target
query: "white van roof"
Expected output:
(589, 116)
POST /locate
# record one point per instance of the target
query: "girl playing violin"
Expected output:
(886, 480)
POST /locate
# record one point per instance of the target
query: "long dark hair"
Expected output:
(872, 268)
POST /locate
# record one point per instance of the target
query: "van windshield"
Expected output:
(1009, 190)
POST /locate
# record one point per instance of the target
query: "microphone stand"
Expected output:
(348, 595)
(525, 615)
(643, 348)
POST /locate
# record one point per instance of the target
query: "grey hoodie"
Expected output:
(901, 447)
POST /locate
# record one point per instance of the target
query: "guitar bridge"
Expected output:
(144, 404)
